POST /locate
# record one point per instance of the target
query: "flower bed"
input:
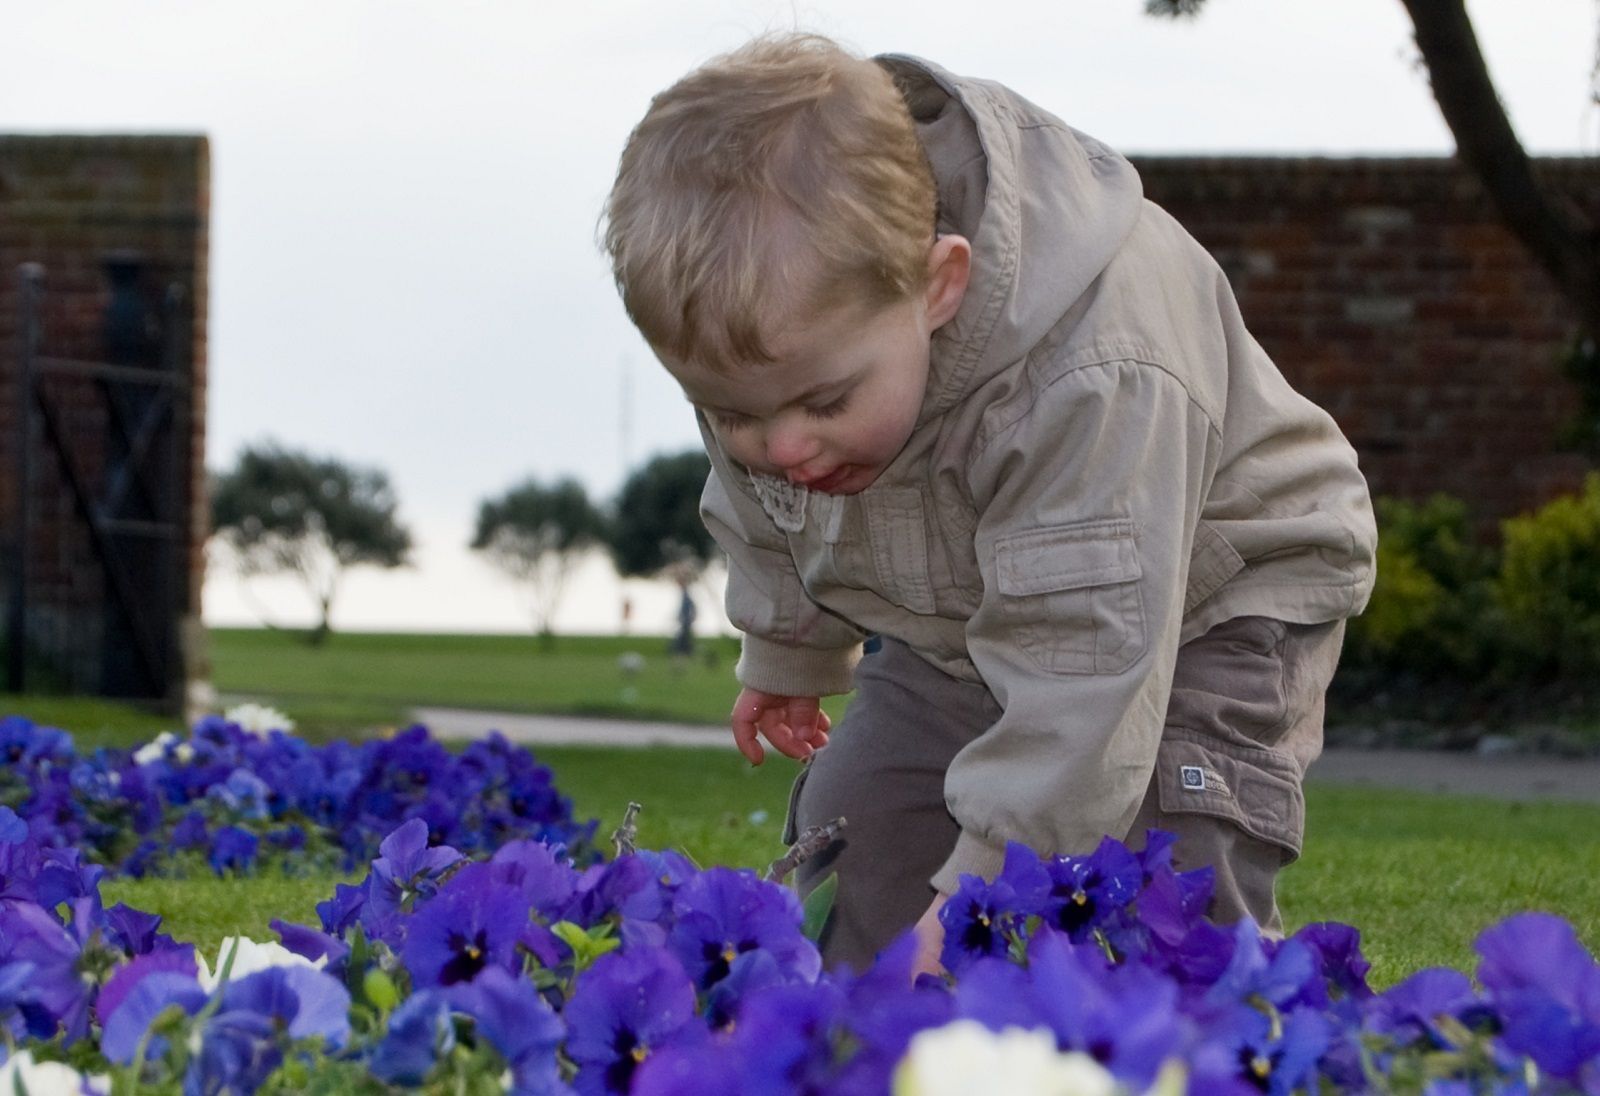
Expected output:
(513, 968)
(229, 799)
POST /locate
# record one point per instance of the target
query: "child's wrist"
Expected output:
(971, 856)
(786, 670)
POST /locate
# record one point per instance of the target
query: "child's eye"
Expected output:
(829, 410)
(729, 420)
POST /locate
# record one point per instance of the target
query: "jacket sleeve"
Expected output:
(791, 646)
(1088, 501)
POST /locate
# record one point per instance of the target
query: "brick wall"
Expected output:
(67, 203)
(1387, 291)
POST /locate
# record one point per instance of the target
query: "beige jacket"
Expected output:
(1105, 466)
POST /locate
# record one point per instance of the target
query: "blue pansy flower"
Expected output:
(152, 991)
(1086, 891)
(517, 1022)
(420, 1032)
(545, 877)
(243, 792)
(1412, 1009)
(1242, 1051)
(723, 913)
(175, 960)
(979, 918)
(623, 1009)
(472, 924)
(56, 997)
(233, 849)
(1275, 972)
(13, 830)
(407, 869)
(1546, 987)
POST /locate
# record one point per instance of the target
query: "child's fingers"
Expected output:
(806, 722)
(782, 734)
(743, 722)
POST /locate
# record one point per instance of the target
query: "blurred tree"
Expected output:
(1560, 238)
(657, 522)
(535, 534)
(280, 511)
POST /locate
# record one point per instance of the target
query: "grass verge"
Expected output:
(357, 681)
(1420, 874)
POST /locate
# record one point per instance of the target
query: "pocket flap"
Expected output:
(1067, 557)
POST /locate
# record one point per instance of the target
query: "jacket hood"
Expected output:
(1044, 206)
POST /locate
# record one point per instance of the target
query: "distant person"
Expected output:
(683, 638)
(964, 387)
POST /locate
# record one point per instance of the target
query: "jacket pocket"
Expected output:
(1070, 594)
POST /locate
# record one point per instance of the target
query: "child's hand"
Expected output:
(795, 725)
(930, 940)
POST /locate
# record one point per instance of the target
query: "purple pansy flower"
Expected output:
(722, 913)
(472, 924)
(1086, 891)
(517, 1022)
(979, 917)
(420, 1032)
(1241, 1053)
(233, 849)
(406, 870)
(153, 989)
(1546, 987)
(623, 1009)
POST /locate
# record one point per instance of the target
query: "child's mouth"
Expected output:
(833, 480)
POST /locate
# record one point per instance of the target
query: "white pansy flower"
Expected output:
(258, 718)
(964, 1058)
(155, 749)
(20, 1073)
(249, 957)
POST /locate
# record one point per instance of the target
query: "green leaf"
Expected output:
(587, 946)
(380, 990)
(818, 904)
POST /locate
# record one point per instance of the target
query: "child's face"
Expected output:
(834, 409)
(839, 403)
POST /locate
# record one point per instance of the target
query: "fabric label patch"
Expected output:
(1192, 777)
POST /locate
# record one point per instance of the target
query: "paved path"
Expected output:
(1505, 776)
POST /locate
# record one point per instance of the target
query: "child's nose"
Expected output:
(790, 444)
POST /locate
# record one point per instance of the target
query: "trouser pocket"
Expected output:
(1256, 790)
(791, 824)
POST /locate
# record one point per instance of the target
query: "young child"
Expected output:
(964, 388)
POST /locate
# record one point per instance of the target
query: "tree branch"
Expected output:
(1559, 237)
(812, 842)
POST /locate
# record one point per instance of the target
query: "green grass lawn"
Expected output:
(92, 722)
(1420, 874)
(357, 681)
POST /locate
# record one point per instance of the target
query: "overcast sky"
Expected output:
(403, 267)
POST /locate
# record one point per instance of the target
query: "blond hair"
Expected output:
(773, 183)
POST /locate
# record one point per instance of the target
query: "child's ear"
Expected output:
(949, 269)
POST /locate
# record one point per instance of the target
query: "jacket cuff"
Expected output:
(972, 856)
(796, 671)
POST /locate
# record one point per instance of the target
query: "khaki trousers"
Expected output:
(1243, 723)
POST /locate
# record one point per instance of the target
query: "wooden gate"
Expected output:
(101, 453)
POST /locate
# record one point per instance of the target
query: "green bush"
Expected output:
(1549, 584)
(1433, 607)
